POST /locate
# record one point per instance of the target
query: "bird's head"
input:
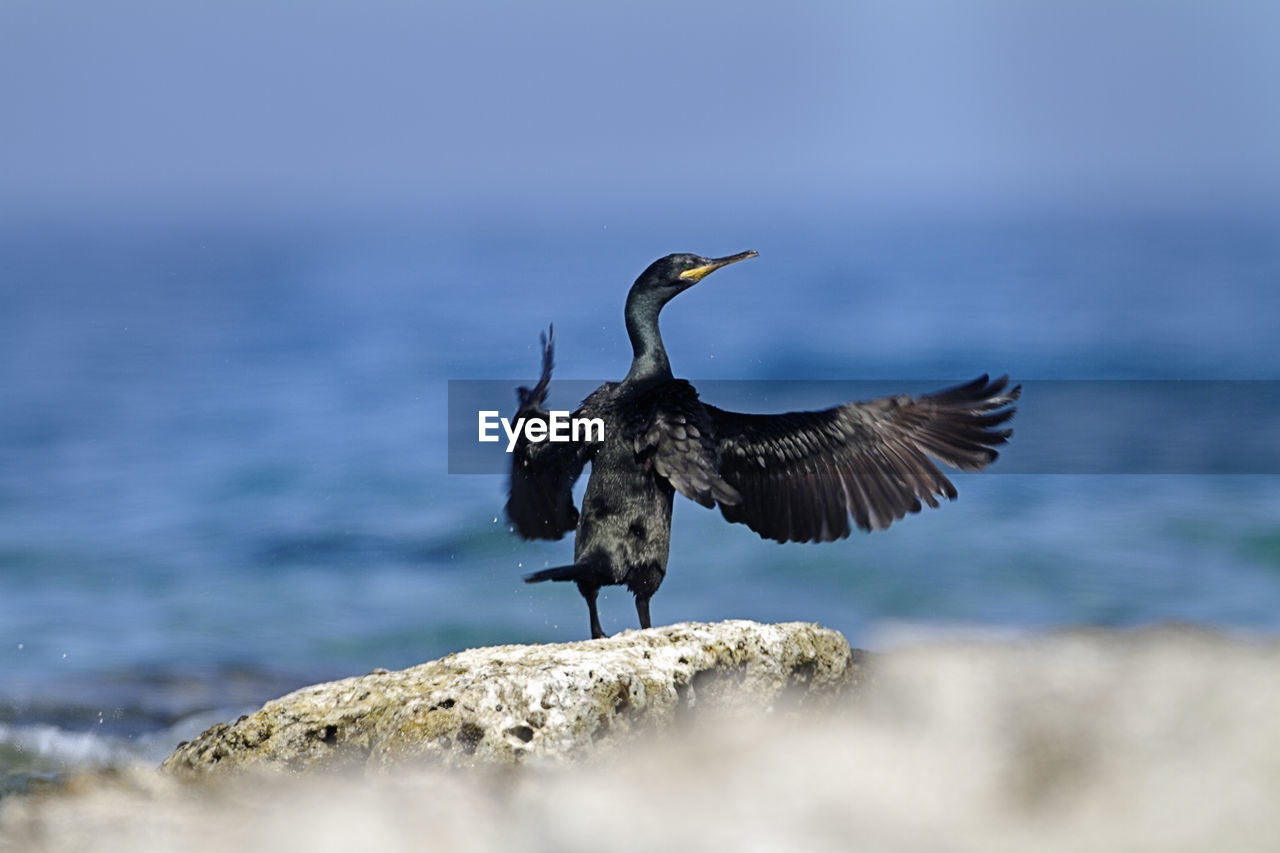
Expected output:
(663, 279)
(668, 276)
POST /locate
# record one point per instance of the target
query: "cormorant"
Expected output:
(797, 476)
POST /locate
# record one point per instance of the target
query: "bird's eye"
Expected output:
(687, 265)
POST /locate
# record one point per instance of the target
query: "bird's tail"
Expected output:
(559, 573)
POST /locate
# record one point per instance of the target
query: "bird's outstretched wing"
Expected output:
(540, 500)
(802, 474)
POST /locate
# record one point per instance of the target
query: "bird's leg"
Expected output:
(590, 593)
(642, 610)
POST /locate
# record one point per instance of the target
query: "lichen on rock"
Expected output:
(505, 705)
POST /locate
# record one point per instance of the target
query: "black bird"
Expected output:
(791, 477)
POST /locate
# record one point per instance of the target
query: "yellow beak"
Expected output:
(697, 273)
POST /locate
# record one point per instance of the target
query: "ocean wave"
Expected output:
(48, 744)
(39, 750)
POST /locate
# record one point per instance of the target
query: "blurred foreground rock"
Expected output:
(1161, 740)
(508, 704)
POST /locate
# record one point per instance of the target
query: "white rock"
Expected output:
(509, 704)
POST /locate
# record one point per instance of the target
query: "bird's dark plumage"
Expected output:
(798, 476)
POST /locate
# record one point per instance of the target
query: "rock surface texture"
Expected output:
(509, 704)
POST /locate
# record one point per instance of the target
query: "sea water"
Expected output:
(224, 455)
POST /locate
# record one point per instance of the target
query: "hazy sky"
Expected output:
(230, 102)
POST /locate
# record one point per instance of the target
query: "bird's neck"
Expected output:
(648, 355)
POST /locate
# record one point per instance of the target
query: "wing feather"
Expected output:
(674, 434)
(540, 496)
(802, 475)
